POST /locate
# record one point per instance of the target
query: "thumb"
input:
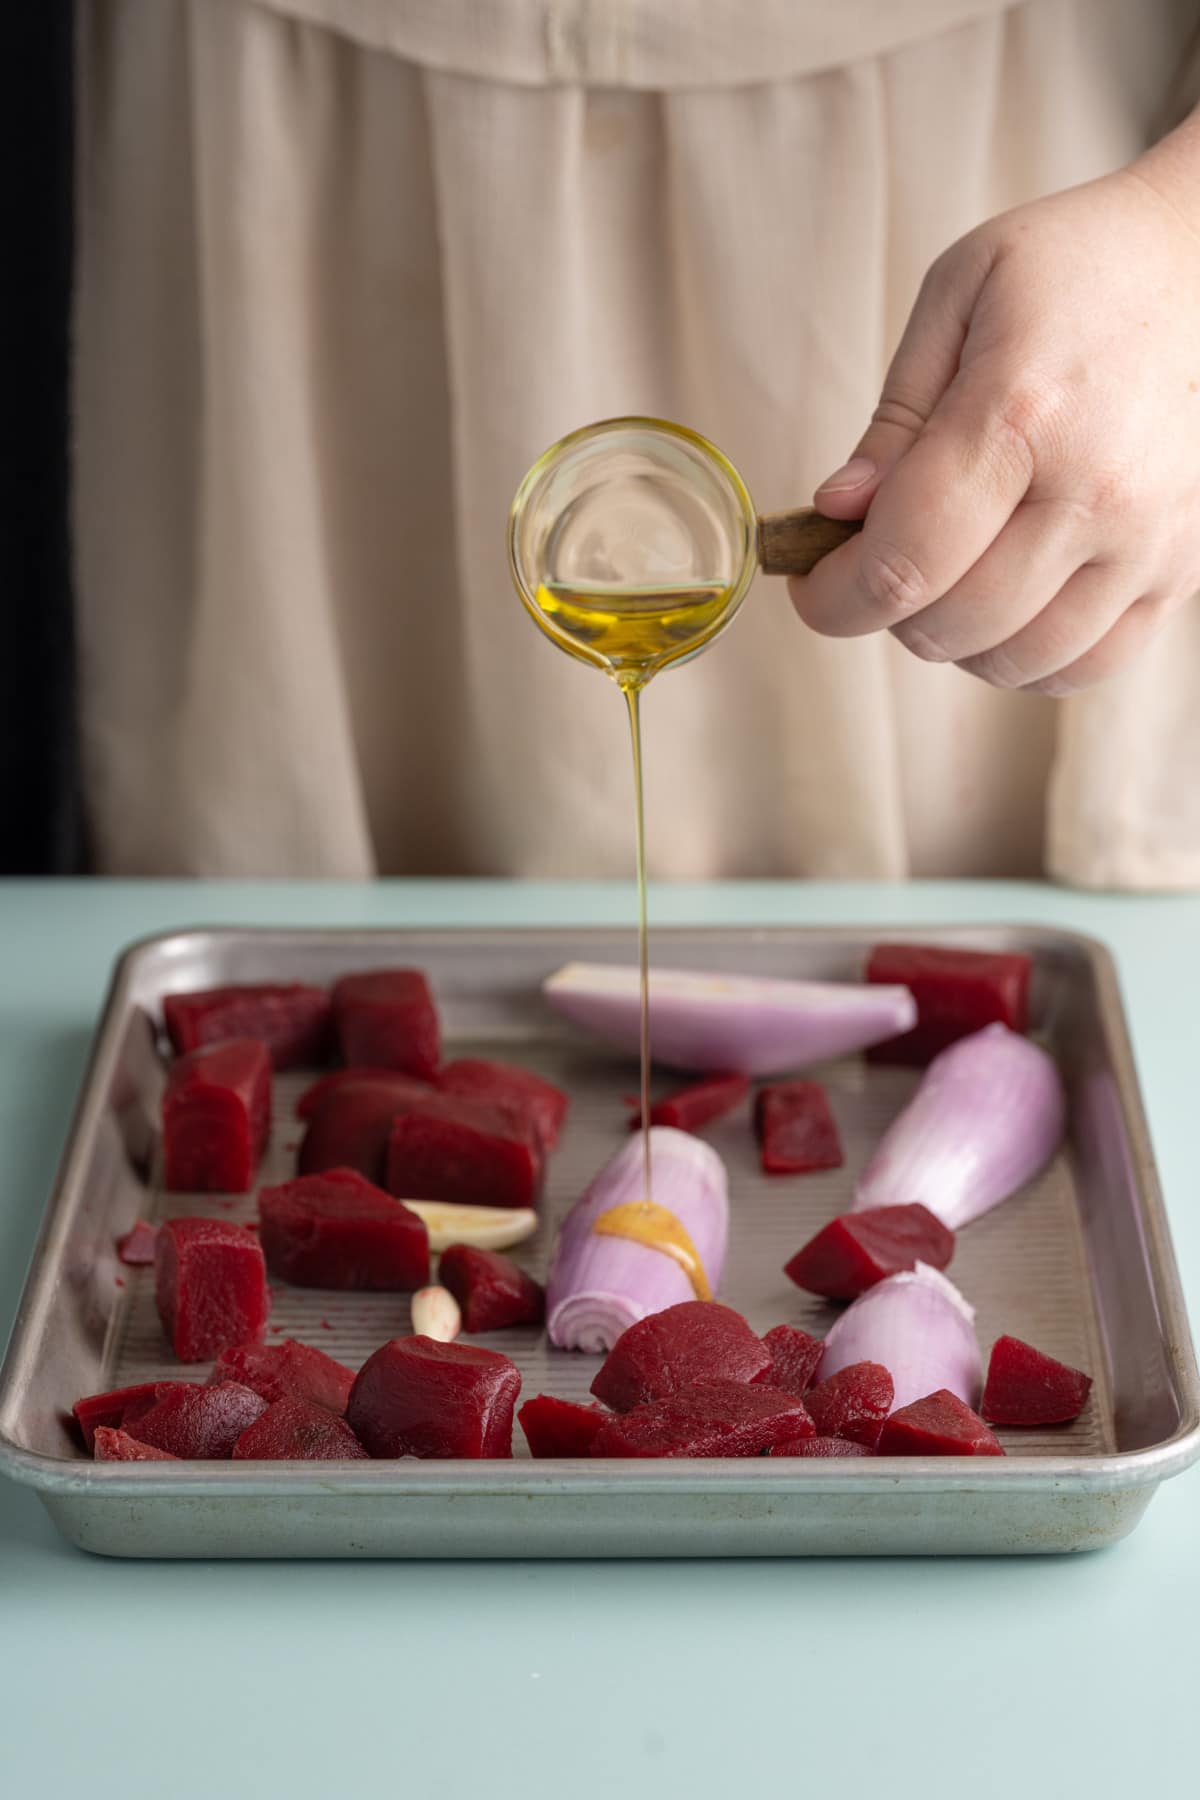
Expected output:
(922, 369)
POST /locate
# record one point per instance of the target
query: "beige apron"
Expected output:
(347, 266)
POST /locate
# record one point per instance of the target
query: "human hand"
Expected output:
(1031, 478)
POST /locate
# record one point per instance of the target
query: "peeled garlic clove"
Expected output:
(484, 1227)
(436, 1314)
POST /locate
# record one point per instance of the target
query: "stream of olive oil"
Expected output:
(631, 633)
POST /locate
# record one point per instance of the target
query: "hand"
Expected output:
(1031, 478)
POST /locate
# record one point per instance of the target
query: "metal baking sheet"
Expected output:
(1080, 1263)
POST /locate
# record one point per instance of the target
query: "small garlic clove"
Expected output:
(483, 1227)
(436, 1314)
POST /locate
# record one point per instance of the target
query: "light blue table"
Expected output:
(1043, 1677)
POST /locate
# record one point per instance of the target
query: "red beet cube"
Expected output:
(853, 1403)
(210, 1282)
(795, 1358)
(287, 1371)
(671, 1350)
(856, 1250)
(350, 1117)
(688, 1108)
(796, 1129)
(339, 1231)
(216, 1114)
(449, 1148)
(560, 1427)
(822, 1446)
(939, 1425)
(1027, 1387)
(136, 1247)
(709, 1418)
(298, 1431)
(957, 992)
(386, 1019)
(292, 1020)
(109, 1410)
(113, 1445)
(198, 1422)
(497, 1083)
(416, 1397)
(490, 1289)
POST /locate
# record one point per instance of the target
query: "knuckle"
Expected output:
(996, 667)
(890, 581)
(922, 644)
(895, 409)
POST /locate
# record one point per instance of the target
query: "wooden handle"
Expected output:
(793, 543)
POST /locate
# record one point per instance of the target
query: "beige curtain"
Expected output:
(347, 266)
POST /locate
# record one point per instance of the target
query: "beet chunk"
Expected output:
(795, 1358)
(199, 1422)
(287, 1371)
(113, 1445)
(339, 1231)
(109, 1410)
(491, 1290)
(350, 1117)
(708, 1418)
(697, 1104)
(216, 1113)
(497, 1083)
(135, 1247)
(210, 1282)
(957, 992)
(857, 1249)
(853, 1403)
(670, 1350)
(449, 1148)
(386, 1019)
(1027, 1387)
(939, 1425)
(822, 1446)
(796, 1129)
(560, 1427)
(299, 1431)
(292, 1020)
(416, 1397)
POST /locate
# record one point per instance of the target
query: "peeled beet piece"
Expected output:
(416, 1397)
(136, 1247)
(287, 1371)
(822, 1446)
(298, 1431)
(544, 1105)
(113, 1445)
(350, 1117)
(97, 1410)
(210, 1282)
(796, 1129)
(857, 1249)
(939, 1425)
(386, 1019)
(1027, 1387)
(795, 1357)
(451, 1148)
(491, 1290)
(560, 1427)
(688, 1108)
(292, 1020)
(708, 1418)
(957, 992)
(853, 1403)
(670, 1350)
(199, 1422)
(216, 1113)
(337, 1230)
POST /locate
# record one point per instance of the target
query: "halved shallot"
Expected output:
(919, 1327)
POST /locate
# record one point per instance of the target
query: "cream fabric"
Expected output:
(347, 266)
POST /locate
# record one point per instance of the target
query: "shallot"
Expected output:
(919, 1328)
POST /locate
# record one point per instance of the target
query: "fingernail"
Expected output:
(854, 474)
